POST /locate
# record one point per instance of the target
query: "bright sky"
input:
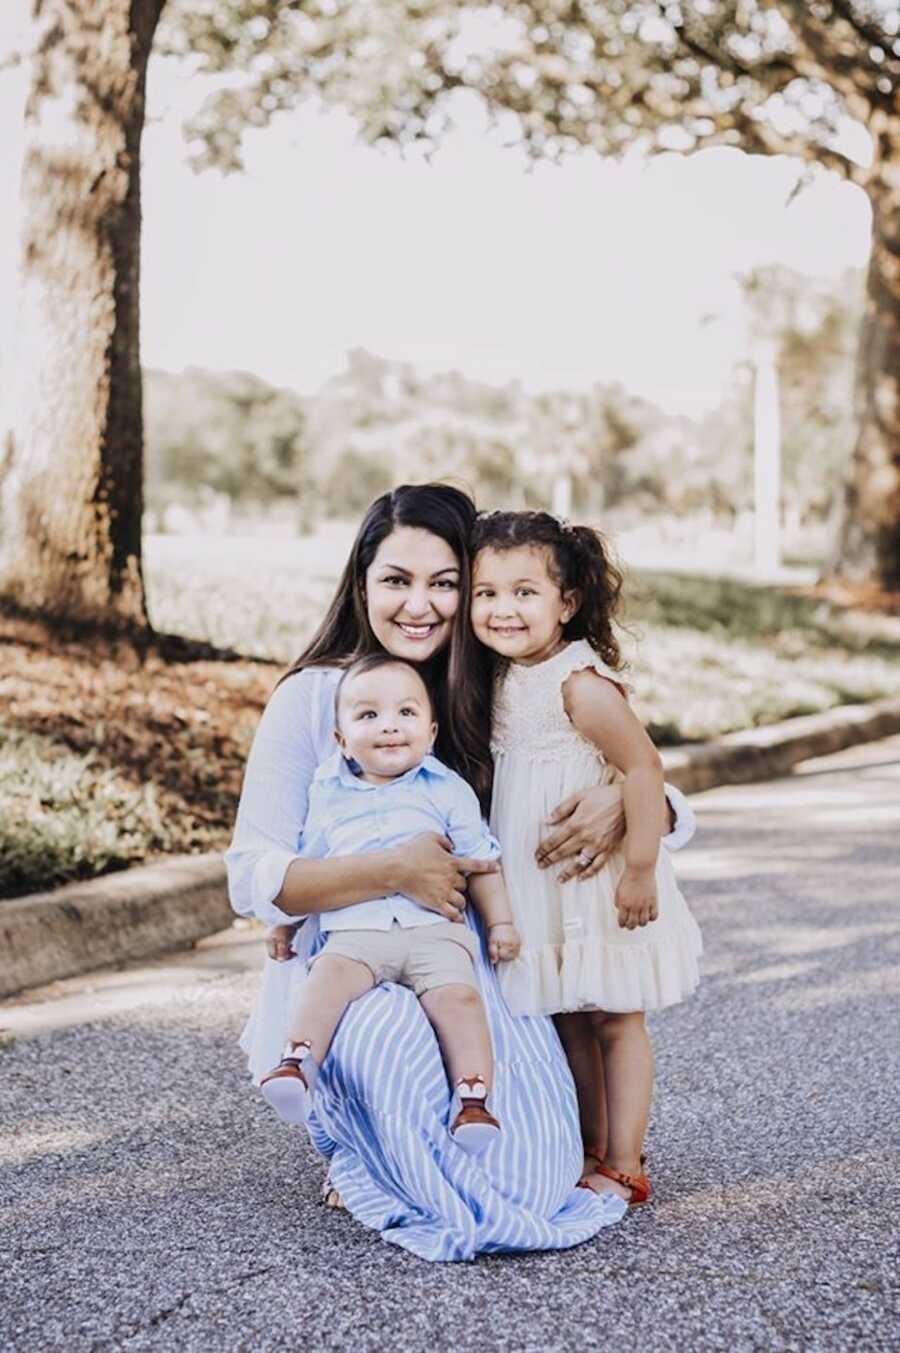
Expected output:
(557, 277)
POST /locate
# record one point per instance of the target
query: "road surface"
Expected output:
(151, 1201)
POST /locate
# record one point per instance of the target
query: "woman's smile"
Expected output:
(412, 593)
(418, 631)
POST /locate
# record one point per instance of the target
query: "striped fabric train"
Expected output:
(380, 1119)
(382, 1099)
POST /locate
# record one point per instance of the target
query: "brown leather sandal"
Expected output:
(474, 1127)
(330, 1196)
(289, 1087)
(641, 1188)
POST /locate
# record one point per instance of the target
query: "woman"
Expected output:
(381, 1102)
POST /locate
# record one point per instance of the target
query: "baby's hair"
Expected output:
(372, 662)
(579, 560)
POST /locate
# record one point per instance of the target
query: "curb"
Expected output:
(135, 914)
(765, 753)
(155, 908)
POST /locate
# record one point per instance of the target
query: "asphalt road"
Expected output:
(151, 1201)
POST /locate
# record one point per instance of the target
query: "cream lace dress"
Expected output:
(574, 956)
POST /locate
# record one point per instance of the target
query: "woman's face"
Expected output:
(412, 593)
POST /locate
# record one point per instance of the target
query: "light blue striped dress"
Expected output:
(382, 1100)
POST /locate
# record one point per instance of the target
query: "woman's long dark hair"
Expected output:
(461, 699)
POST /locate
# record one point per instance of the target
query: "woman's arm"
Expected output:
(593, 820)
(425, 869)
(266, 876)
(682, 821)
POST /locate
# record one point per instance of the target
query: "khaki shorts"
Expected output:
(421, 957)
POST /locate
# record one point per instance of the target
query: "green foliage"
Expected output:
(814, 326)
(354, 480)
(65, 818)
(770, 75)
(380, 422)
(230, 434)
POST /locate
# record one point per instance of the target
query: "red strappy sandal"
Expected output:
(641, 1189)
(593, 1153)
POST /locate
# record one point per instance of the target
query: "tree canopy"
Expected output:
(768, 75)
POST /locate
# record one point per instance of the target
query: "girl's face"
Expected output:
(412, 593)
(518, 609)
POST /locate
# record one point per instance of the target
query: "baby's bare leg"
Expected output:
(456, 1012)
(457, 1015)
(333, 983)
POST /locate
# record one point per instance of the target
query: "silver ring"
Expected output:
(583, 859)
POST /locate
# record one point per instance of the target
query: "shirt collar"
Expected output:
(338, 768)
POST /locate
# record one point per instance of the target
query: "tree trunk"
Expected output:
(71, 493)
(869, 538)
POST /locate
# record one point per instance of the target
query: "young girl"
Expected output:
(599, 951)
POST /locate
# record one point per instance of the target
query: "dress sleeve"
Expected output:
(685, 820)
(579, 655)
(272, 809)
(466, 827)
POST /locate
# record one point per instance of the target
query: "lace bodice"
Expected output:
(529, 715)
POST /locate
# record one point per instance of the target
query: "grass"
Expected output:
(708, 655)
(712, 655)
(107, 759)
(66, 816)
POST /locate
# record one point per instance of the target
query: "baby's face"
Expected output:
(384, 721)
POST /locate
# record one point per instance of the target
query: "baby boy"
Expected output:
(381, 788)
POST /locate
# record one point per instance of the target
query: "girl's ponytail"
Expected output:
(600, 586)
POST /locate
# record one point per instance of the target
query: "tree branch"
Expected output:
(781, 67)
(868, 33)
(844, 71)
(761, 136)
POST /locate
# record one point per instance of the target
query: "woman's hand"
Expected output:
(592, 821)
(278, 942)
(636, 900)
(429, 873)
(503, 942)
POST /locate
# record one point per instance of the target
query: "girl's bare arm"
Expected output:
(602, 714)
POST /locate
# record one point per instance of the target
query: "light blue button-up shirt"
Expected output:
(295, 735)
(349, 816)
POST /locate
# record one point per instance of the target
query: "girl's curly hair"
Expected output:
(580, 561)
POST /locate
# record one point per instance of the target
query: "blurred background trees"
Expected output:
(817, 80)
(380, 422)
(229, 437)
